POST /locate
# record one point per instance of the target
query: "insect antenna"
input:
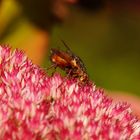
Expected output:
(65, 44)
(68, 49)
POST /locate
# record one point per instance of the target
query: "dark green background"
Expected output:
(109, 45)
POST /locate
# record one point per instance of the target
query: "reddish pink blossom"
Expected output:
(36, 106)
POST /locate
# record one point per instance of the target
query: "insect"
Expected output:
(70, 63)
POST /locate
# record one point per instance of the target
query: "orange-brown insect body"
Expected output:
(70, 63)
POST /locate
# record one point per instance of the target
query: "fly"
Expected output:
(70, 63)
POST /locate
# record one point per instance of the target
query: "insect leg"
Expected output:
(52, 66)
(64, 80)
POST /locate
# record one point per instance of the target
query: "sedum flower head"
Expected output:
(36, 106)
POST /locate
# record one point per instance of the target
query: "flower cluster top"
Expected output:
(36, 106)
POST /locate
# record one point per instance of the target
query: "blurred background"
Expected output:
(104, 33)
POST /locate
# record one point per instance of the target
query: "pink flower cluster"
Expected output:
(38, 107)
